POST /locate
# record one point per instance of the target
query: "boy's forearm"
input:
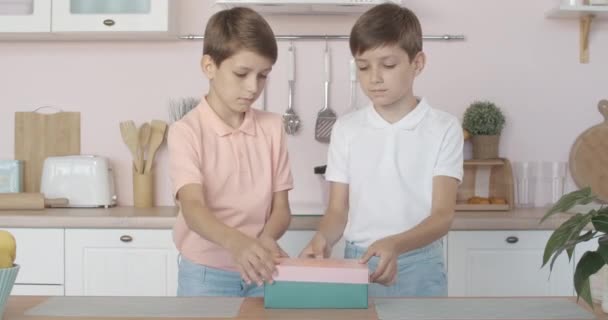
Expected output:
(430, 229)
(277, 223)
(333, 223)
(200, 220)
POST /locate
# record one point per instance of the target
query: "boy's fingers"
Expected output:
(283, 253)
(367, 255)
(318, 250)
(387, 276)
(252, 274)
(307, 252)
(244, 275)
(380, 270)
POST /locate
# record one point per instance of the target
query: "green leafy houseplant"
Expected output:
(483, 118)
(570, 233)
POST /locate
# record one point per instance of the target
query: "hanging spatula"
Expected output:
(326, 117)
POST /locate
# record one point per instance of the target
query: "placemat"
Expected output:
(479, 308)
(145, 307)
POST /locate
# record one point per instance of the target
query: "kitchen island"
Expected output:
(253, 308)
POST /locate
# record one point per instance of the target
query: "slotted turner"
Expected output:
(326, 117)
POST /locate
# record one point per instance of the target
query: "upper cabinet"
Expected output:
(25, 15)
(110, 15)
(76, 18)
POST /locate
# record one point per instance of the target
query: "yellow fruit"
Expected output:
(466, 134)
(5, 261)
(8, 247)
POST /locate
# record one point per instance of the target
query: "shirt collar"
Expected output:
(220, 127)
(409, 122)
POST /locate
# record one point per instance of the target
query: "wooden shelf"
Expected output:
(492, 178)
(585, 14)
(575, 12)
(490, 162)
(482, 207)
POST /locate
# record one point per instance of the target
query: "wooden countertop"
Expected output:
(252, 308)
(164, 218)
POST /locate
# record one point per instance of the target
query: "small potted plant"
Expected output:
(484, 121)
(580, 227)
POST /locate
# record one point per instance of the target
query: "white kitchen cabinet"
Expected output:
(504, 263)
(120, 262)
(110, 15)
(25, 16)
(40, 255)
(76, 19)
(293, 241)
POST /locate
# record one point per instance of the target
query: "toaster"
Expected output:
(85, 180)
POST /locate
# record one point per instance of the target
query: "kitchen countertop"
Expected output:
(164, 218)
(252, 308)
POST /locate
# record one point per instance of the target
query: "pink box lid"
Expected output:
(322, 270)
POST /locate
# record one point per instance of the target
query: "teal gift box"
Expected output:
(318, 284)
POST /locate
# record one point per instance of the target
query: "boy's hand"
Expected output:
(316, 248)
(271, 245)
(255, 263)
(386, 272)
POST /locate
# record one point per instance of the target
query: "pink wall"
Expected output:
(513, 55)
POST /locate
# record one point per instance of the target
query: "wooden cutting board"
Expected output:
(41, 135)
(589, 157)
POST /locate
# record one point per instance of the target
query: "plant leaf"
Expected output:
(600, 221)
(586, 293)
(590, 263)
(582, 238)
(602, 249)
(582, 196)
(568, 231)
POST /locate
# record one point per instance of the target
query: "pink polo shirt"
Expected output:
(239, 170)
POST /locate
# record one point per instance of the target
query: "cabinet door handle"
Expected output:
(109, 22)
(126, 238)
(512, 239)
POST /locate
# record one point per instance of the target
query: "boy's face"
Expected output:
(387, 75)
(238, 80)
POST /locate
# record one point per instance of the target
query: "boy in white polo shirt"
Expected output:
(394, 167)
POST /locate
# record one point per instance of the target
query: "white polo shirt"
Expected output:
(390, 167)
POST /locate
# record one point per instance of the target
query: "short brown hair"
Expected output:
(231, 30)
(387, 24)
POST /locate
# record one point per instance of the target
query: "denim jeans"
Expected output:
(421, 272)
(197, 280)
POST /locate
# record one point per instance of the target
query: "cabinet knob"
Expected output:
(512, 239)
(126, 238)
(109, 22)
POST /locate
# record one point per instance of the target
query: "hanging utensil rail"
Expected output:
(445, 37)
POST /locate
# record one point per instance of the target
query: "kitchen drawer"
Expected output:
(505, 263)
(40, 254)
(37, 290)
(120, 262)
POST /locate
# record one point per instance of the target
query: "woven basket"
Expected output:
(485, 147)
(7, 280)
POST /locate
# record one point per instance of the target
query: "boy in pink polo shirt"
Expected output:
(229, 166)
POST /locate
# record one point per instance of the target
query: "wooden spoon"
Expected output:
(129, 136)
(144, 139)
(156, 139)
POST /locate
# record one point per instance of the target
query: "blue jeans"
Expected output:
(197, 280)
(421, 272)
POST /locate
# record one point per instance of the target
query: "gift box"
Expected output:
(318, 284)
